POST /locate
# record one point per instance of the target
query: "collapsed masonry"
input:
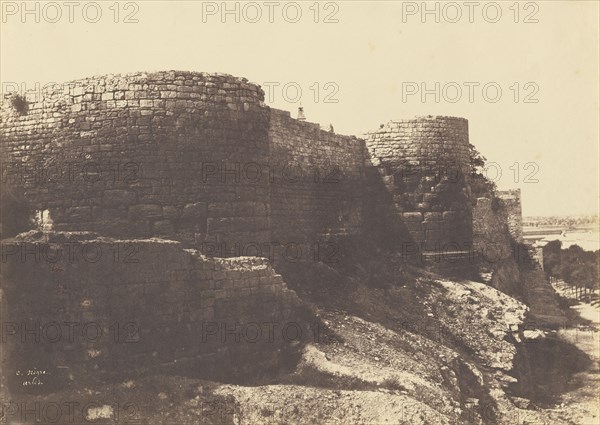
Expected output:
(84, 303)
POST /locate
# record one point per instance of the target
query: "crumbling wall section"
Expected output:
(514, 266)
(76, 303)
(493, 248)
(512, 202)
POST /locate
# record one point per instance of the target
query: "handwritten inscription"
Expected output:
(32, 377)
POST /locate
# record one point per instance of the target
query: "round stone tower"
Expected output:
(424, 163)
(143, 154)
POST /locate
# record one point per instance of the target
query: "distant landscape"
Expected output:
(579, 230)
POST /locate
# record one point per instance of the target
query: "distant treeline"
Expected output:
(560, 221)
(574, 265)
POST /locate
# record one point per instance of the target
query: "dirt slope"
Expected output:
(422, 351)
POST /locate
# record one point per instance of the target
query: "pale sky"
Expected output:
(370, 58)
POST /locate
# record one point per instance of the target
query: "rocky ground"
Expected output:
(427, 351)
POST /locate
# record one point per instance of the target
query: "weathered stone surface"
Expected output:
(204, 153)
(512, 202)
(145, 211)
(424, 163)
(163, 228)
(165, 139)
(413, 216)
(433, 216)
(117, 197)
(158, 294)
(195, 210)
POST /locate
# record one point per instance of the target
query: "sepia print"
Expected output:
(299, 212)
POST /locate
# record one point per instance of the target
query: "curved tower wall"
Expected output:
(424, 163)
(147, 154)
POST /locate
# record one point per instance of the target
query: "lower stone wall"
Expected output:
(452, 264)
(512, 202)
(77, 305)
(514, 267)
(492, 244)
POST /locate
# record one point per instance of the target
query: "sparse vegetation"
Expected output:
(266, 412)
(20, 104)
(577, 267)
(481, 185)
(394, 384)
(312, 377)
